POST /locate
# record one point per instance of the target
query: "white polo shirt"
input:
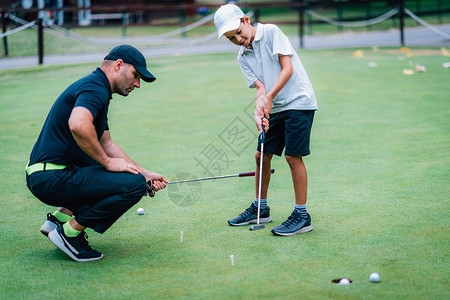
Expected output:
(262, 63)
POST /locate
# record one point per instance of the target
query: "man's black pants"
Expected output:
(96, 196)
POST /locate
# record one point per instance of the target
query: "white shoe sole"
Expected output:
(47, 227)
(254, 221)
(59, 242)
(301, 230)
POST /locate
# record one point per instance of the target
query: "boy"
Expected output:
(285, 97)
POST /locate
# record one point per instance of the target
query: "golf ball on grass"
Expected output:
(344, 281)
(374, 277)
(140, 211)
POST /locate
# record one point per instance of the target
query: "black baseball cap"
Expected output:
(132, 56)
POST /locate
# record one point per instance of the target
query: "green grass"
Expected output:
(378, 186)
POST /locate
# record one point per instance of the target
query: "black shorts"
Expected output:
(290, 129)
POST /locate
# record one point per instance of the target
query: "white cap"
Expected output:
(227, 17)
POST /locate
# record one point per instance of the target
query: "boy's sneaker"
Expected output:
(51, 224)
(76, 247)
(293, 225)
(249, 216)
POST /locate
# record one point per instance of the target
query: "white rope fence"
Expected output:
(161, 39)
(184, 29)
(58, 34)
(23, 27)
(373, 21)
(426, 25)
(18, 20)
(379, 19)
(167, 38)
(158, 39)
(63, 32)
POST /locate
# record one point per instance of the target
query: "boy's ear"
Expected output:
(246, 19)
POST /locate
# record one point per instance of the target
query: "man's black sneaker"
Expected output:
(76, 247)
(249, 216)
(51, 224)
(293, 225)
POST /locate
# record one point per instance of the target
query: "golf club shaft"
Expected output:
(262, 138)
(260, 182)
(245, 174)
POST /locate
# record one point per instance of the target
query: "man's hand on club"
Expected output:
(159, 182)
(121, 165)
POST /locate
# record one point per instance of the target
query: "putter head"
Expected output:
(257, 227)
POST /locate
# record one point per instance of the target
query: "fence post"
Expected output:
(368, 13)
(257, 15)
(308, 17)
(124, 23)
(339, 14)
(439, 12)
(4, 27)
(40, 41)
(401, 16)
(301, 12)
(183, 18)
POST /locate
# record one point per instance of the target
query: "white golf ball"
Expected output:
(140, 211)
(344, 281)
(374, 277)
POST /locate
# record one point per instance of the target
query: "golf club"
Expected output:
(246, 174)
(150, 190)
(261, 139)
